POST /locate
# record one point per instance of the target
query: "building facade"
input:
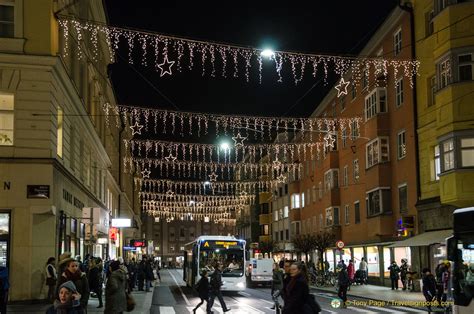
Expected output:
(60, 168)
(444, 39)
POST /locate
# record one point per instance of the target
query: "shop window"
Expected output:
(397, 42)
(6, 119)
(399, 93)
(402, 253)
(403, 198)
(401, 145)
(378, 201)
(387, 260)
(373, 261)
(357, 212)
(358, 255)
(377, 151)
(7, 20)
(330, 259)
(467, 152)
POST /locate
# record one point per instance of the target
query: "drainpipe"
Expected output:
(408, 7)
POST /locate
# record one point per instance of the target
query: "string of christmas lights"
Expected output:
(163, 52)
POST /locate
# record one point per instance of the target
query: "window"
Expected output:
(399, 93)
(401, 145)
(314, 194)
(353, 90)
(465, 63)
(345, 176)
(320, 189)
(331, 179)
(285, 212)
(336, 215)
(437, 163)
(344, 138)
(286, 189)
(346, 214)
(441, 5)
(287, 233)
(275, 215)
(403, 198)
(365, 79)
(354, 130)
(295, 200)
(377, 151)
(375, 102)
(281, 235)
(302, 200)
(6, 119)
(342, 102)
(276, 235)
(448, 155)
(280, 213)
(59, 147)
(444, 69)
(356, 212)
(7, 21)
(355, 170)
(429, 23)
(329, 218)
(171, 248)
(432, 91)
(378, 201)
(280, 191)
(467, 152)
(397, 42)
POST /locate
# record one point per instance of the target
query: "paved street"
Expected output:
(172, 296)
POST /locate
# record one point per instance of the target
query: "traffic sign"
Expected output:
(340, 244)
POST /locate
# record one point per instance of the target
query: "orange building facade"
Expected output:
(365, 189)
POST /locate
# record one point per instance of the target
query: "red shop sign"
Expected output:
(113, 233)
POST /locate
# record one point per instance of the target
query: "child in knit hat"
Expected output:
(68, 302)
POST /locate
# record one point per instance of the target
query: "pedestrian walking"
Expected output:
(343, 284)
(67, 300)
(4, 288)
(132, 274)
(439, 282)
(296, 291)
(351, 272)
(95, 278)
(74, 274)
(51, 278)
(141, 274)
(116, 290)
(429, 287)
(394, 274)
(215, 291)
(363, 267)
(404, 267)
(202, 288)
(149, 275)
(277, 283)
(446, 278)
(286, 277)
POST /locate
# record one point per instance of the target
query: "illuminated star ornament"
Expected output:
(329, 140)
(342, 87)
(281, 178)
(146, 174)
(169, 193)
(239, 140)
(136, 128)
(165, 67)
(276, 164)
(243, 194)
(170, 158)
(213, 177)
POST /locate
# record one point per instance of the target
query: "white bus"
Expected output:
(205, 251)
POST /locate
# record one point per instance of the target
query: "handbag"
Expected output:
(130, 303)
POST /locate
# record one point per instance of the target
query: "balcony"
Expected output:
(332, 197)
(264, 219)
(457, 188)
(378, 175)
(331, 161)
(381, 121)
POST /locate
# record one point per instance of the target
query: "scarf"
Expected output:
(292, 283)
(73, 276)
(62, 308)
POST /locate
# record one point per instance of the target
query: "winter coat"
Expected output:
(343, 278)
(286, 281)
(115, 293)
(296, 294)
(216, 280)
(404, 270)
(149, 271)
(351, 271)
(202, 288)
(81, 283)
(394, 270)
(429, 285)
(58, 308)
(95, 277)
(141, 270)
(277, 280)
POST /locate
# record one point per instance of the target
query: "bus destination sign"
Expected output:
(219, 244)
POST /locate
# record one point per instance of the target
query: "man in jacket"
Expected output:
(394, 271)
(216, 283)
(149, 276)
(343, 282)
(429, 287)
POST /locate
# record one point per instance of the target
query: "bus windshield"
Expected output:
(228, 253)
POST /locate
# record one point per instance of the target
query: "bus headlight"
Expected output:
(240, 285)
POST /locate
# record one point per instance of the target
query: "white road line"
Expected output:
(181, 291)
(328, 311)
(267, 301)
(384, 309)
(167, 310)
(361, 310)
(245, 294)
(411, 309)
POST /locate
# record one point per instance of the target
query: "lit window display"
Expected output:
(373, 261)
(402, 253)
(346, 255)
(386, 262)
(358, 254)
(330, 259)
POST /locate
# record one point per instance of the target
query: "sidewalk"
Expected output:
(142, 299)
(378, 293)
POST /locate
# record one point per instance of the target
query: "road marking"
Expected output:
(364, 310)
(385, 309)
(167, 310)
(245, 294)
(267, 301)
(411, 309)
(180, 290)
(329, 311)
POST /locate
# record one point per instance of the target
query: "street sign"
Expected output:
(340, 244)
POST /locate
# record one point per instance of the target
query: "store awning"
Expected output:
(425, 239)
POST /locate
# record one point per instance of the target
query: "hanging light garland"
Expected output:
(192, 169)
(166, 54)
(196, 200)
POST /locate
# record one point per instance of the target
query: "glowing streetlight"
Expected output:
(207, 183)
(267, 53)
(225, 146)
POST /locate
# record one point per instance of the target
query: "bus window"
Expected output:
(461, 252)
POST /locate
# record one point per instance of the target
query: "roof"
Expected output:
(425, 239)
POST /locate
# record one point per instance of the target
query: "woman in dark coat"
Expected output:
(95, 278)
(115, 290)
(297, 290)
(202, 288)
(74, 274)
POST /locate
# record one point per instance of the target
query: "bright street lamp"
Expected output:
(225, 146)
(267, 53)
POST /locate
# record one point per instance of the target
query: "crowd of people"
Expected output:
(71, 282)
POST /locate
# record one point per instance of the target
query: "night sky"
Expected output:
(332, 27)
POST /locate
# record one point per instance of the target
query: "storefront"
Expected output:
(5, 239)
